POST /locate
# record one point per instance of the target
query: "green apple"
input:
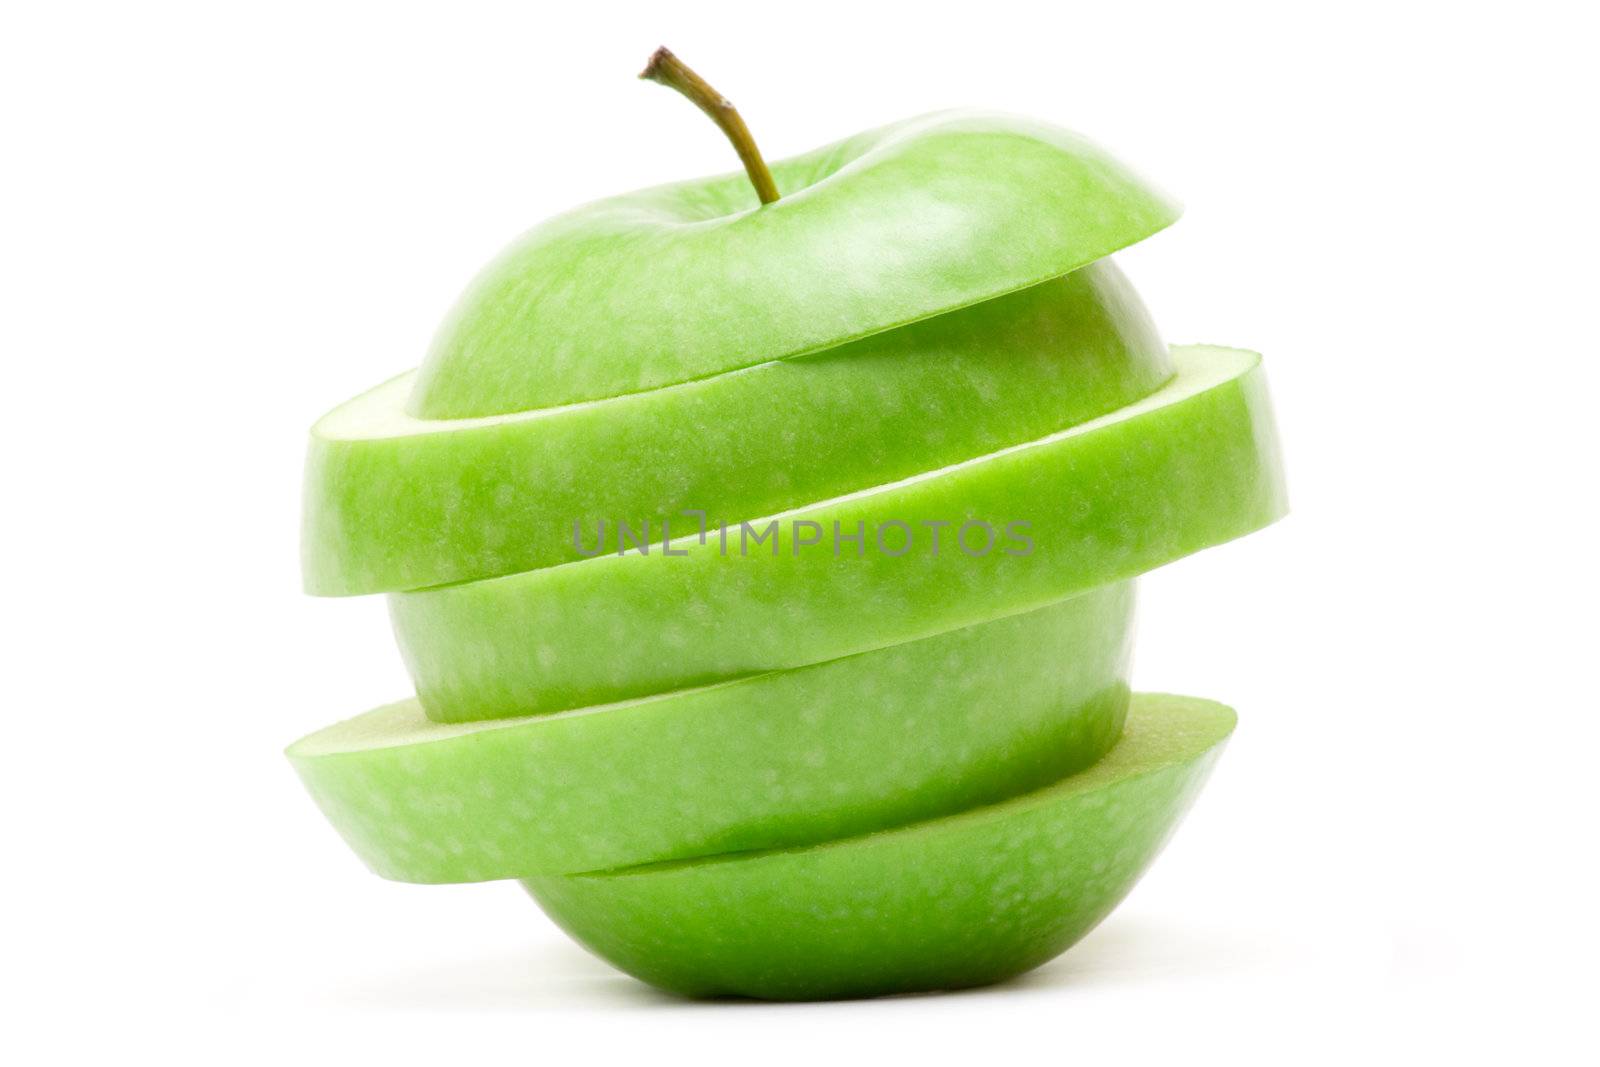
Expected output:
(959, 901)
(789, 758)
(1190, 466)
(694, 279)
(865, 734)
(394, 502)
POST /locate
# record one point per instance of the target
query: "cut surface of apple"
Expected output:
(841, 748)
(393, 502)
(1190, 466)
(960, 901)
(689, 280)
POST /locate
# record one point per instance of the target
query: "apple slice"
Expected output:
(793, 757)
(1190, 466)
(393, 502)
(685, 281)
(960, 901)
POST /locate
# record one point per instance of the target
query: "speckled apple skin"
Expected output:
(423, 503)
(846, 747)
(689, 280)
(1193, 465)
(961, 901)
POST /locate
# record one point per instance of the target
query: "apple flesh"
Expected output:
(789, 758)
(1190, 466)
(685, 281)
(393, 502)
(960, 901)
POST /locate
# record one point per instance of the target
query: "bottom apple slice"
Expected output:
(793, 757)
(959, 901)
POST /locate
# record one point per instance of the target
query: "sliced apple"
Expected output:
(1190, 466)
(685, 281)
(393, 502)
(793, 757)
(960, 901)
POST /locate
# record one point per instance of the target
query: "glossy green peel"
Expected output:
(686, 281)
(858, 744)
(393, 502)
(961, 901)
(1193, 465)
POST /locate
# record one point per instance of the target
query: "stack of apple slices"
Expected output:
(766, 574)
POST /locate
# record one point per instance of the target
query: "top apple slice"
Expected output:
(683, 281)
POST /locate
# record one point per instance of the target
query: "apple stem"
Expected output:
(669, 70)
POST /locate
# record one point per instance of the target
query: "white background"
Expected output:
(221, 219)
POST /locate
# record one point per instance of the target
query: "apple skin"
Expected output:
(397, 503)
(789, 758)
(961, 901)
(689, 280)
(1193, 465)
